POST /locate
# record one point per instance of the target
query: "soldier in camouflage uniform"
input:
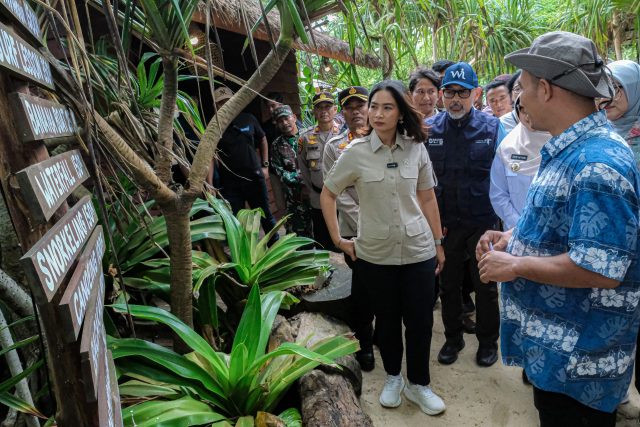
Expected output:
(283, 163)
(310, 148)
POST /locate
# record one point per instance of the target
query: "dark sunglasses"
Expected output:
(462, 93)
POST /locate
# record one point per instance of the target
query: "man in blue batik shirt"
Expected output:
(570, 271)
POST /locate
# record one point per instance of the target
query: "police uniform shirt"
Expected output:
(391, 229)
(347, 202)
(311, 147)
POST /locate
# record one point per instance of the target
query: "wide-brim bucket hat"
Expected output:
(567, 60)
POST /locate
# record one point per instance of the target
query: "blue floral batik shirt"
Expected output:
(584, 202)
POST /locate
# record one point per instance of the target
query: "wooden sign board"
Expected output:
(19, 58)
(49, 260)
(109, 409)
(20, 11)
(93, 344)
(38, 118)
(46, 185)
(82, 285)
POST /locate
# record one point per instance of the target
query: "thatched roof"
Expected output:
(227, 15)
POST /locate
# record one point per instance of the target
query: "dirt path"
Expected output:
(475, 397)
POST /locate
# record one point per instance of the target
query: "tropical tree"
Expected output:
(164, 26)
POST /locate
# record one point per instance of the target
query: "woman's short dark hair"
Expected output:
(423, 73)
(412, 121)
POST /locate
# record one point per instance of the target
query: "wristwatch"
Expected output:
(438, 242)
(265, 164)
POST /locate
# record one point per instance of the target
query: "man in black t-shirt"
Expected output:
(242, 172)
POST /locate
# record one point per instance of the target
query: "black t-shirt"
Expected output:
(237, 147)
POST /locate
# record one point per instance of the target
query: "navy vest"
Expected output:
(462, 152)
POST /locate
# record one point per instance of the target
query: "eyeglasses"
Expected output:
(462, 93)
(602, 103)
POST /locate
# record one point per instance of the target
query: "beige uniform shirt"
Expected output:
(347, 202)
(310, 148)
(391, 229)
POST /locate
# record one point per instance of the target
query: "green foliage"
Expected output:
(281, 266)
(7, 397)
(247, 380)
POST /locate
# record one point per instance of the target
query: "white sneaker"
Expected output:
(390, 396)
(425, 398)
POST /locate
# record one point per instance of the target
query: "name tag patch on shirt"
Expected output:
(436, 141)
(483, 141)
(520, 157)
(392, 165)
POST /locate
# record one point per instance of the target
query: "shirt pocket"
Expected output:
(313, 157)
(409, 180)
(373, 184)
(418, 237)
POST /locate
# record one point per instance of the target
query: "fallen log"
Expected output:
(329, 395)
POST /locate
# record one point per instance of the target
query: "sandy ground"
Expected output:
(475, 396)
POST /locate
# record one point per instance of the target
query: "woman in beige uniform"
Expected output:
(395, 253)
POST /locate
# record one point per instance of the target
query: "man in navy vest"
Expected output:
(461, 145)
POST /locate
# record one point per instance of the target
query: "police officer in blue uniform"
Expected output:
(461, 145)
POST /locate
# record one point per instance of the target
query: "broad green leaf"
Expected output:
(182, 412)
(188, 335)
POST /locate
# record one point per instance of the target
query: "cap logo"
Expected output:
(352, 91)
(458, 74)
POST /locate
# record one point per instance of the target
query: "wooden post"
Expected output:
(35, 189)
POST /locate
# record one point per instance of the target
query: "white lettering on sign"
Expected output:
(98, 338)
(78, 164)
(57, 120)
(55, 181)
(25, 14)
(83, 292)
(55, 257)
(108, 391)
(8, 49)
(21, 58)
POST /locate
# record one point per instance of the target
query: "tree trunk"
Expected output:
(617, 35)
(165, 123)
(209, 141)
(179, 232)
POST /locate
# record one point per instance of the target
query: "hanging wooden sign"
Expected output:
(19, 58)
(39, 118)
(46, 185)
(109, 410)
(82, 285)
(93, 344)
(20, 11)
(49, 260)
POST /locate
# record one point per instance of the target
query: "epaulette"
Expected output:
(339, 137)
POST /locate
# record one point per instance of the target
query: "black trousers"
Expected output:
(320, 231)
(361, 312)
(402, 294)
(253, 191)
(459, 246)
(560, 410)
